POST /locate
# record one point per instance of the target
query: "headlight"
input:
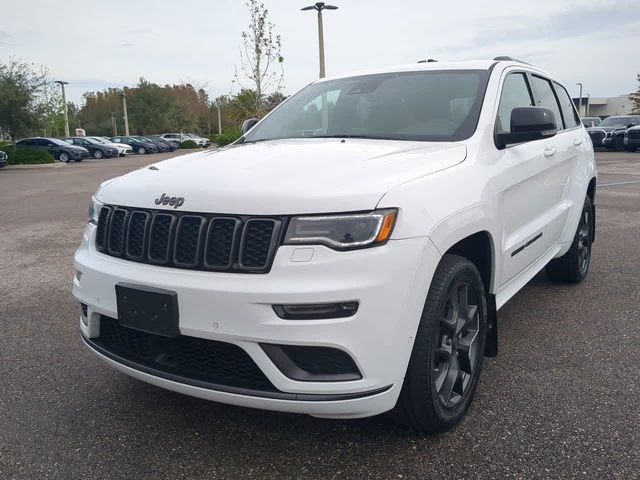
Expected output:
(342, 232)
(94, 210)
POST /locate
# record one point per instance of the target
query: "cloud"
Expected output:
(142, 31)
(127, 45)
(4, 36)
(612, 17)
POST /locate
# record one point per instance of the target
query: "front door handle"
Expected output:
(549, 151)
(577, 142)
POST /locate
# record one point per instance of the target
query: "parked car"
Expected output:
(96, 149)
(632, 139)
(122, 148)
(590, 121)
(161, 146)
(610, 132)
(57, 148)
(138, 146)
(176, 138)
(183, 137)
(3, 159)
(349, 263)
(202, 141)
(171, 146)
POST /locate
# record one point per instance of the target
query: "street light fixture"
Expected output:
(580, 104)
(319, 7)
(64, 106)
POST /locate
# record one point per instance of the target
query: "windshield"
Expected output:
(612, 121)
(92, 140)
(98, 140)
(439, 106)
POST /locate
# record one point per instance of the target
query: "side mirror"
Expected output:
(248, 124)
(528, 124)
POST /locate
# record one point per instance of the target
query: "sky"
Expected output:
(96, 45)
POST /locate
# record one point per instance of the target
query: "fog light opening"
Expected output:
(85, 314)
(316, 311)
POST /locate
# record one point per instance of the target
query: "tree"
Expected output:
(275, 99)
(259, 60)
(26, 103)
(635, 97)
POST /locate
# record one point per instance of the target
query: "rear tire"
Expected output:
(447, 354)
(573, 266)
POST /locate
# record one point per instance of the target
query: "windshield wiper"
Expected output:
(247, 142)
(369, 137)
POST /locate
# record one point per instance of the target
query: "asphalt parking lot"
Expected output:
(560, 400)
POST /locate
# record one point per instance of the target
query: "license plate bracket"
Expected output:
(149, 309)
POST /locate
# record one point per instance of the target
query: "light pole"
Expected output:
(64, 106)
(588, 100)
(126, 118)
(319, 7)
(580, 104)
(114, 126)
(219, 121)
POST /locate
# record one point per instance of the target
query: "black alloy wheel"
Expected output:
(457, 352)
(584, 242)
(448, 351)
(573, 266)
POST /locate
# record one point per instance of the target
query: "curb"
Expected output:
(41, 165)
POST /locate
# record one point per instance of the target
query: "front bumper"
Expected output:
(237, 309)
(75, 154)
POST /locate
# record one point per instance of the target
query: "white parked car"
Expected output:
(183, 137)
(122, 148)
(348, 254)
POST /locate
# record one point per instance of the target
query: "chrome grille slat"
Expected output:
(188, 240)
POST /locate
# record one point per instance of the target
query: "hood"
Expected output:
(607, 129)
(283, 177)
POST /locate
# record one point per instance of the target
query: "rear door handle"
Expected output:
(549, 151)
(577, 142)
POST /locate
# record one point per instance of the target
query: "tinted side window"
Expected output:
(117, 140)
(547, 99)
(569, 113)
(515, 93)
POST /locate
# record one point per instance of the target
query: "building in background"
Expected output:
(604, 106)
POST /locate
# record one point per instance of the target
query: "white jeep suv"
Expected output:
(348, 254)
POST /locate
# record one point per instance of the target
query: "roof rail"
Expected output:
(509, 59)
(428, 60)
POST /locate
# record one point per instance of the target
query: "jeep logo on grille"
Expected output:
(174, 202)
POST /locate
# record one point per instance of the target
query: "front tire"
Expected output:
(142, 151)
(618, 144)
(573, 266)
(97, 154)
(447, 354)
(63, 157)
